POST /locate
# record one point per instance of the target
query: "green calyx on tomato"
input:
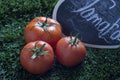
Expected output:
(44, 24)
(38, 51)
(74, 41)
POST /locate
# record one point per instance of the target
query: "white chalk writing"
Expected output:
(114, 4)
(116, 35)
(88, 6)
(104, 27)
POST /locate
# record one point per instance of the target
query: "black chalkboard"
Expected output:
(96, 21)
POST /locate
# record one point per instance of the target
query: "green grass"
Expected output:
(99, 64)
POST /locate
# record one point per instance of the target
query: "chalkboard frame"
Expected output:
(54, 16)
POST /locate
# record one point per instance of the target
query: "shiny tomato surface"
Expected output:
(43, 60)
(70, 54)
(42, 28)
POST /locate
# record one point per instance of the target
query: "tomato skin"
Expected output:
(41, 63)
(69, 55)
(51, 36)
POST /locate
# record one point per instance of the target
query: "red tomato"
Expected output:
(45, 29)
(37, 57)
(70, 51)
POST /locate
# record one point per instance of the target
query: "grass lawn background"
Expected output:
(99, 64)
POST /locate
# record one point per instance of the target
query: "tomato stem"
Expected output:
(40, 24)
(38, 51)
(74, 41)
(44, 24)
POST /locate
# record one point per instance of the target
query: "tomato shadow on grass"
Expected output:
(56, 72)
(67, 72)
